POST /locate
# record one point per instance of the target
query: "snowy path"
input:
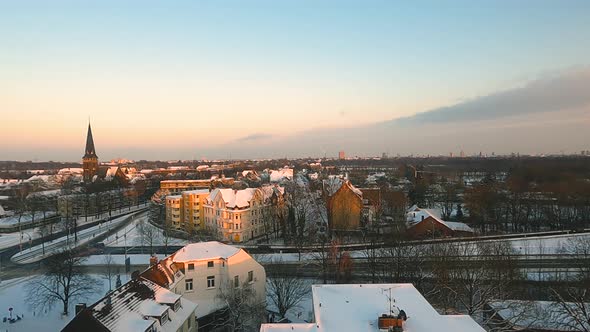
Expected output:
(12, 239)
(36, 254)
(131, 236)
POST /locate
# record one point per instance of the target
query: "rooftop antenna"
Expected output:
(390, 299)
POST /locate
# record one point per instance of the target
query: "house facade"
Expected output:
(203, 272)
(236, 215)
(345, 206)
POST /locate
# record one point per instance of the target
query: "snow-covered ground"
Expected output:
(12, 296)
(544, 245)
(130, 235)
(24, 219)
(12, 239)
(35, 253)
(119, 260)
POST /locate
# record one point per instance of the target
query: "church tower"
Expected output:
(90, 159)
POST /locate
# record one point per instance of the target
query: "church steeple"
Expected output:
(90, 159)
(89, 152)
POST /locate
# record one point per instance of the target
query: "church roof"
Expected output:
(89, 152)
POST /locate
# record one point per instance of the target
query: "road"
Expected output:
(7, 266)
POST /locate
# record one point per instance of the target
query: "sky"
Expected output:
(223, 79)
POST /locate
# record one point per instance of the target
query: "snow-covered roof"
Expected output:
(203, 251)
(458, 226)
(71, 170)
(234, 198)
(357, 308)
(417, 214)
(164, 296)
(196, 192)
(135, 307)
(268, 191)
(280, 174)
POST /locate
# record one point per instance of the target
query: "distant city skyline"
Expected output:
(202, 79)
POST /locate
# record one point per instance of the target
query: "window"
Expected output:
(191, 267)
(211, 282)
(188, 284)
(237, 281)
(251, 276)
(164, 318)
(177, 305)
(210, 264)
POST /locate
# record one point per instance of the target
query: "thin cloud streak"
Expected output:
(568, 90)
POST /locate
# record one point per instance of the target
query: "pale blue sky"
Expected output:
(230, 69)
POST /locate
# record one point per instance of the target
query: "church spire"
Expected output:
(89, 152)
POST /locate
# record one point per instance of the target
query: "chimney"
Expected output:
(390, 323)
(153, 260)
(80, 307)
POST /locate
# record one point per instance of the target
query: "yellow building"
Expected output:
(193, 213)
(177, 186)
(174, 210)
(344, 208)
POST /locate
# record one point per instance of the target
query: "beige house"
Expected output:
(202, 272)
(236, 215)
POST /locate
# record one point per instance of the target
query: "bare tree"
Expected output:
(108, 273)
(148, 234)
(287, 291)
(572, 307)
(64, 282)
(572, 302)
(321, 257)
(244, 310)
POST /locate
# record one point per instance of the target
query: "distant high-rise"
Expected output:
(462, 154)
(341, 155)
(90, 159)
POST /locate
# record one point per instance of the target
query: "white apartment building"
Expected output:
(201, 271)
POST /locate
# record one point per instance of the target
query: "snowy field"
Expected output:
(12, 296)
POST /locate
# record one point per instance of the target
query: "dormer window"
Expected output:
(176, 305)
(210, 264)
(164, 318)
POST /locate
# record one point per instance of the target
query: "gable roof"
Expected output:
(135, 306)
(233, 198)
